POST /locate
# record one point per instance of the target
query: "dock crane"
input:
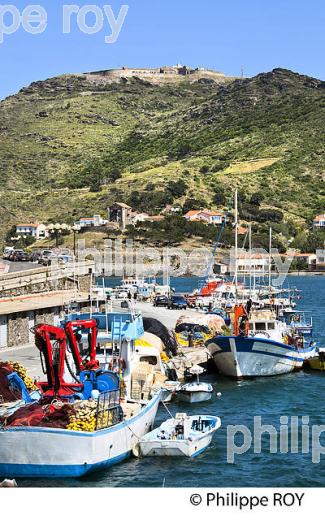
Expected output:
(72, 331)
(52, 344)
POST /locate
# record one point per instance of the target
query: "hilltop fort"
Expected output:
(160, 75)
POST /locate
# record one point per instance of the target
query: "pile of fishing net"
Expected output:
(156, 327)
(6, 394)
(80, 416)
(53, 414)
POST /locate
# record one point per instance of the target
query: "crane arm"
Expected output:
(73, 327)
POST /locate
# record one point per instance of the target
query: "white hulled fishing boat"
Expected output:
(180, 436)
(119, 421)
(262, 346)
(196, 391)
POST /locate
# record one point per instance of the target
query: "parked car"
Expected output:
(35, 256)
(160, 301)
(177, 302)
(21, 256)
(16, 254)
(45, 256)
(48, 259)
(65, 259)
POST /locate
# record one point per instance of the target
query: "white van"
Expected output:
(7, 251)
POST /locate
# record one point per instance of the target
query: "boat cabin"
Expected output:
(264, 322)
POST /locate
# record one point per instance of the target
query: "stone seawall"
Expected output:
(46, 279)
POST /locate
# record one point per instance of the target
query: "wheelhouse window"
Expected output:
(260, 325)
(152, 360)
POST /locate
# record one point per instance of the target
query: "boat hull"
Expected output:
(194, 397)
(35, 452)
(315, 363)
(252, 357)
(175, 448)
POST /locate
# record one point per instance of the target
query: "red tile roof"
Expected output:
(27, 225)
(193, 212)
(212, 213)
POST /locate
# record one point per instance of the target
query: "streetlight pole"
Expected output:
(75, 230)
(56, 230)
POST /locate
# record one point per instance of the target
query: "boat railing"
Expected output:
(109, 411)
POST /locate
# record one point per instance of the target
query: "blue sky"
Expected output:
(222, 34)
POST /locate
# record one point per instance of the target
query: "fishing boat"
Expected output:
(121, 419)
(141, 287)
(59, 453)
(260, 346)
(196, 391)
(301, 321)
(180, 436)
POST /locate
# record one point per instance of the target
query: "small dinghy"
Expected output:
(195, 392)
(184, 435)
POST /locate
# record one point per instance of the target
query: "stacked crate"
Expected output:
(145, 380)
(140, 378)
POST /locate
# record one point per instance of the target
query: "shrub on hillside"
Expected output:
(178, 188)
(191, 204)
(158, 200)
(114, 175)
(257, 198)
(219, 166)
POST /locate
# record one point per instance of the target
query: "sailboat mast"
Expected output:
(270, 259)
(236, 244)
(250, 259)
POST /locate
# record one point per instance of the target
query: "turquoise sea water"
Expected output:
(298, 394)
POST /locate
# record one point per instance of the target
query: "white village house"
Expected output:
(36, 230)
(256, 263)
(210, 217)
(319, 221)
(95, 221)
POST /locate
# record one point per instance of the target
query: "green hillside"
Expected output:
(73, 144)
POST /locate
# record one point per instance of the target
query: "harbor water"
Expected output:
(297, 394)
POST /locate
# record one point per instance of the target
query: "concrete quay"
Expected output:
(28, 355)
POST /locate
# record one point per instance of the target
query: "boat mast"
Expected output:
(250, 259)
(166, 276)
(270, 260)
(236, 244)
